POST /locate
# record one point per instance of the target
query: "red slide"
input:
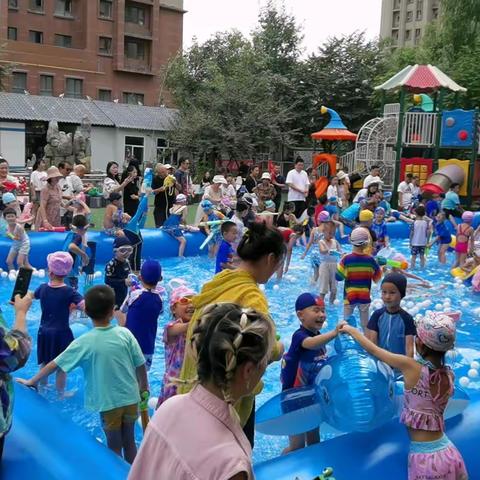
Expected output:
(321, 186)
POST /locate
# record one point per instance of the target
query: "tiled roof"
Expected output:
(17, 106)
(124, 115)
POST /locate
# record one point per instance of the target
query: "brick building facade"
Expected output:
(111, 50)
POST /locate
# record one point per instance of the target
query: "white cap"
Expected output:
(265, 176)
(219, 179)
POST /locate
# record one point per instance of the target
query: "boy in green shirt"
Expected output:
(114, 369)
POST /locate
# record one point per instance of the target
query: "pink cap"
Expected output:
(437, 331)
(323, 216)
(60, 263)
(180, 292)
(467, 216)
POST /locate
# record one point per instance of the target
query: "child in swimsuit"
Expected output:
(428, 386)
(465, 237)
(20, 242)
(177, 219)
(379, 227)
(315, 236)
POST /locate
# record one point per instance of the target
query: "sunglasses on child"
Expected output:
(125, 250)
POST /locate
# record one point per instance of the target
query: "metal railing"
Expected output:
(391, 109)
(419, 128)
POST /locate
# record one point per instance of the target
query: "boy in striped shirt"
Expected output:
(358, 270)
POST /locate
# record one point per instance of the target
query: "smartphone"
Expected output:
(22, 283)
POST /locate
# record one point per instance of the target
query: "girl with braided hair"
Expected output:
(198, 435)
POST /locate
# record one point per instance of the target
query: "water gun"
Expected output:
(134, 282)
(212, 223)
(53, 229)
(145, 395)
(9, 186)
(392, 263)
(326, 474)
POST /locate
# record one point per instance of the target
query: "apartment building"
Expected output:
(110, 50)
(405, 21)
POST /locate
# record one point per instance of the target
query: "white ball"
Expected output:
(12, 277)
(97, 274)
(414, 311)
(152, 402)
(427, 302)
(4, 274)
(276, 287)
(139, 419)
(428, 312)
(35, 273)
(464, 304)
(262, 287)
(336, 301)
(458, 285)
(473, 373)
(41, 273)
(475, 365)
(438, 306)
(418, 316)
(293, 279)
(464, 381)
(458, 280)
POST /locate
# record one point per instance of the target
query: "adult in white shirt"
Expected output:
(405, 192)
(333, 191)
(298, 185)
(373, 177)
(38, 179)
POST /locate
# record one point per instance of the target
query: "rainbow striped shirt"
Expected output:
(358, 271)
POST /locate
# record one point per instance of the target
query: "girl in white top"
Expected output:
(333, 191)
(198, 435)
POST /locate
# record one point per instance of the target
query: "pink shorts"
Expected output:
(438, 460)
(461, 247)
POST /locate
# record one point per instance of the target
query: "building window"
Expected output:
(134, 147)
(408, 34)
(396, 19)
(133, 98)
(74, 88)
(435, 13)
(105, 9)
(105, 95)
(409, 2)
(134, 14)
(46, 85)
(63, 41)
(13, 4)
(134, 49)
(163, 150)
(418, 35)
(63, 8)
(35, 37)
(35, 5)
(396, 5)
(19, 82)
(419, 15)
(409, 16)
(12, 33)
(105, 45)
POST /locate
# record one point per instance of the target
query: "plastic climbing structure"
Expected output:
(416, 135)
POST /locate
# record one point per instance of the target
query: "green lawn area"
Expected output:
(97, 216)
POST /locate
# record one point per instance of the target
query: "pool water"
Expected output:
(281, 298)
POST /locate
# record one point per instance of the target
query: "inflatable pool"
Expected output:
(156, 244)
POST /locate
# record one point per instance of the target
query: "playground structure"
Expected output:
(416, 135)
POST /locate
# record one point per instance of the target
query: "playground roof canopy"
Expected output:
(334, 134)
(421, 79)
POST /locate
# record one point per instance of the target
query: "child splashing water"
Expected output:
(316, 235)
(428, 386)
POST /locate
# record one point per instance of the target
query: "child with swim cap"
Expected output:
(142, 308)
(174, 336)
(464, 243)
(358, 270)
(379, 228)
(226, 252)
(428, 386)
(114, 371)
(391, 327)
(56, 298)
(307, 353)
(330, 251)
(211, 215)
(313, 243)
(118, 269)
(177, 219)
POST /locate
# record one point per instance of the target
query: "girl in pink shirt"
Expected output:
(197, 436)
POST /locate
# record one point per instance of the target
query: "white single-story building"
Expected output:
(116, 128)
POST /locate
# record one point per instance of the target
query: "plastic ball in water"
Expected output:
(410, 304)
(414, 311)
(276, 287)
(473, 373)
(35, 273)
(464, 381)
(438, 306)
(12, 277)
(4, 274)
(458, 280)
(475, 365)
(41, 273)
(458, 285)
(262, 287)
(464, 304)
(336, 301)
(97, 274)
(152, 402)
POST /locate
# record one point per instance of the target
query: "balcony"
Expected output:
(419, 129)
(137, 66)
(138, 30)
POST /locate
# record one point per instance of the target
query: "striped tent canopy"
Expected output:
(421, 79)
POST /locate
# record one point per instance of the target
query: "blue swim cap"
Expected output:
(206, 205)
(151, 272)
(8, 197)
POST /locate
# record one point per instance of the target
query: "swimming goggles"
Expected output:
(125, 250)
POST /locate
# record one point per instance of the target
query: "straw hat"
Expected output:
(341, 175)
(53, 172)
(219, 179)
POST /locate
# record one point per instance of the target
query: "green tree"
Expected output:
(5, 70)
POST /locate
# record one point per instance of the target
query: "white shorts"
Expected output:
(21, 246)
(326, 277)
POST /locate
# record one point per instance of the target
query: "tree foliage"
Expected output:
(5, 70)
